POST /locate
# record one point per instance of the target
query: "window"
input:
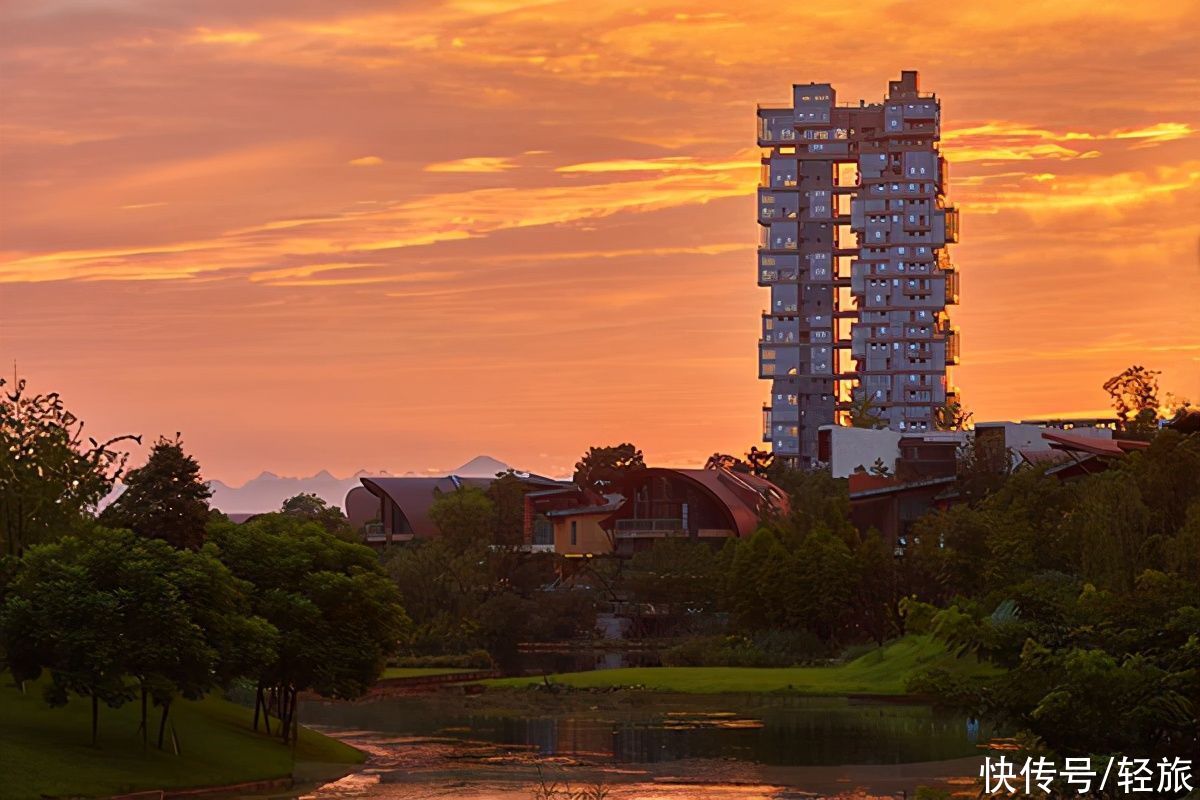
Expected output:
(574, 532)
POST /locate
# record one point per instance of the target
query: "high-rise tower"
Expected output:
(853, 246)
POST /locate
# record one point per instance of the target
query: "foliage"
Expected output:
(816, 500)
(465, 517)
(1134, 395)
(165, 499)
(952, 417)
(475, 659)
(1087, 592)
(473, 595)
(101, 610)
(339, 617)
(313, 508)
(883, 671)
(603, 468)
(676, 573)
(863, 411)
(776, 648)
(757, 462)
(49, 477)
(507, 494)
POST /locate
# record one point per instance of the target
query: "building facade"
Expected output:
(853, 242)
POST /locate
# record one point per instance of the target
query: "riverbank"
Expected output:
(47, 752)
(881, 672)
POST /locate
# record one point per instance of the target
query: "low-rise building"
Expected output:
(395, 510)
(700, 504)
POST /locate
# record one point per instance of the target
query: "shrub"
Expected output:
(475, 659)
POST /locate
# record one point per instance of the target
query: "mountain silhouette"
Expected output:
(267, 491)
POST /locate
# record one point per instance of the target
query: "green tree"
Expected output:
(677, 572)
(313, 508)
(337, 615)
(50, 477)
(111, 607)
(875, 605)
(821, 583)
(464, 516)
(165, 499)
(507, 494)
(603, 468)
(815, 500)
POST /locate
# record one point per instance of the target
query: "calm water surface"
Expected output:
(651, 746)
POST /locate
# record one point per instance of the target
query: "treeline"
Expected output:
(1088, 591)
(476, 588)
(802, 588)
(159, 597)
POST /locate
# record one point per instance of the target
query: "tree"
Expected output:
(726, 461)
(603, 468)
(876, 597)
(952, 417)
(1134, 395)
(864, 413)
(50, 479)
(337, 615)
(165, 499)
(507, 494)
(760, 461)
(822, 583)
(676, 571)
(464, 516)
(100, 610)
(815, 499)
(313, 508)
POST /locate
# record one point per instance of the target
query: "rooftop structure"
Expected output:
(853, 242)
(392, 510)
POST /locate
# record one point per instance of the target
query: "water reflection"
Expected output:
(772, 731)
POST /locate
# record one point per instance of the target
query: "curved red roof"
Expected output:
(742, 495)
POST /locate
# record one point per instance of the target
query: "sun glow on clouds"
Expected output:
(223, 177)
(473, 164)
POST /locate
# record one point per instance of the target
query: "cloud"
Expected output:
(473, 164)
(366, 161)
(665, 164)
(206, 36)
(552, 178)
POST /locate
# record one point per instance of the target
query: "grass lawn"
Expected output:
(881, 672)
(47, 751)
(421, 672)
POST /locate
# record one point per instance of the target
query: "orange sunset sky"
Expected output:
(394, 235)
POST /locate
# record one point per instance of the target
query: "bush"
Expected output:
(947, 688)
(774, 648)
(475, 659)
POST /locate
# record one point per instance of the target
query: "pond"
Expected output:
(499, 746)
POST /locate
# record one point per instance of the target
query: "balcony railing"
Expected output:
(632, 528)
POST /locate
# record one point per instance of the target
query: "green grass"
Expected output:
(421, 672)
(880, 672)
(47, 751)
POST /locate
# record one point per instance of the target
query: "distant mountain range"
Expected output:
(268, 491)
